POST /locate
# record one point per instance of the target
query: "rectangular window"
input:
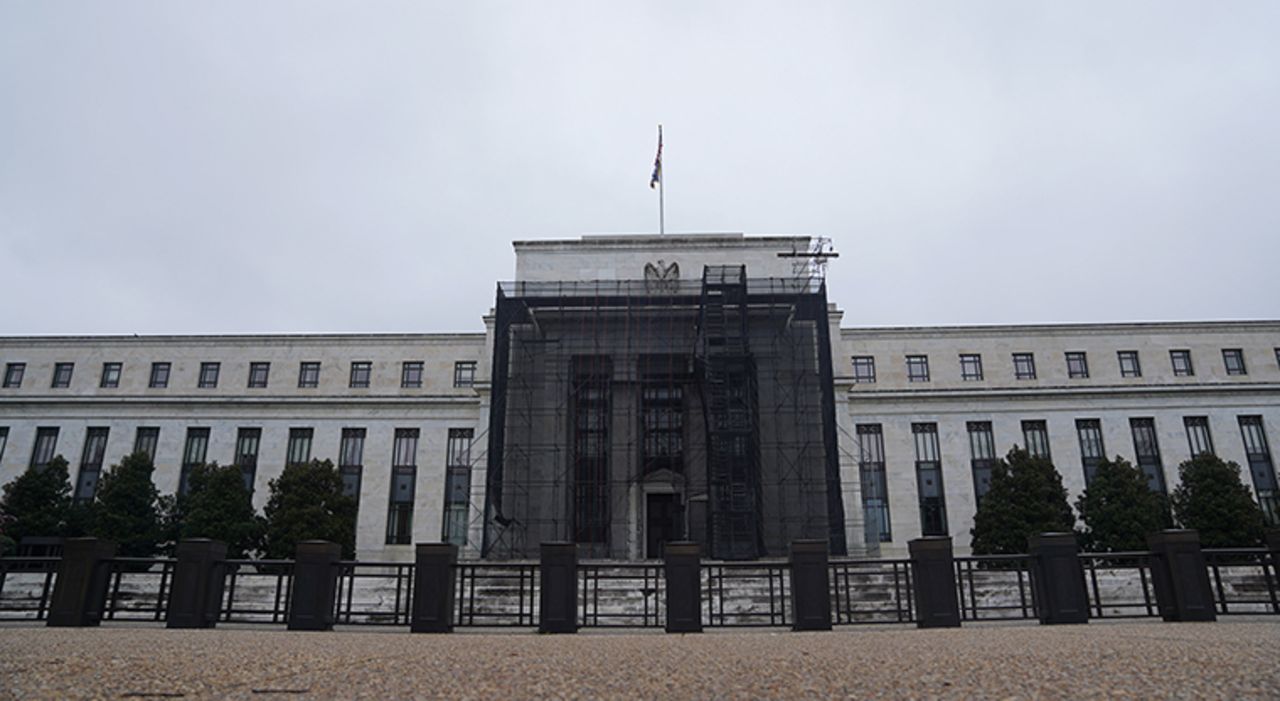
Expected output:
(875, 487)
(13, 373)
(1261, 467)
(111, 375)
(45, 448)
(464, 373)
(258, 374)
(457, 486)
(193, 454)
(95, 447)
(917, 368)
(589, 406)
(1198, 437)
(309, 374)
(404, 472)
(209, 375)
(1036, 435)
(360, 371)
(982, 449)
(62, 374)
(864, 369)
(145, 441)
(351, 461)
(1233, 360)
(1091, 449)
(1077, 365)
(159, 375)
(4, 439)
(933, 503)
(247, 442)
(1129, 365)
(970, 366)
(1024, 366)
(662, 380)
(299, 450)
(411, 374)
(1147, 448)
(1181, 361)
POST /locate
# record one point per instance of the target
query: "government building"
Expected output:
(625, 391)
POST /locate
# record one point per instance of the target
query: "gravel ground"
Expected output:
(1234, 659)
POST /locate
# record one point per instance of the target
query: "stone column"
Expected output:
(1058, 578)
(682, 567)
(81, 588)
(433, 588)
(810, 586)
(558, 593)
(1180, 576)
(315, 585)
(195, 599)
(933, 571)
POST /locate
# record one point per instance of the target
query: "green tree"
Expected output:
(127, 508)
(219, 506)
(37, 502)
(1213, 500)
(1119, 509)
(1026, 498)
(307, 503)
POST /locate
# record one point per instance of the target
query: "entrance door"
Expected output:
(664, 522)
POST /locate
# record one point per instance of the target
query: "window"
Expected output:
(1181, 361)
(309, 374)
(351, 461)
(1092, 451)
(457, 486)
(13, 374)
(970, 366)
(360, 371)
(1077, 365)
(45, 448)
(662, 380)
(1198, 437)
(1233, 359)
(1261, 467)
(411, 374)
(146, 440)
(464, 373)
(193, 454)
(4, 439)
(589, 406)
(111, 375)
(1129, 365)
(299, 450)
(247, 442)
(159, 375)
(1147, 448)
(404, 472)
(933, 504)
(209, 374)
(1036, 435)
(982, 449)
(875, 488)
(62, 374)
(258, 374)
(1024, 366)
(95, 446)
(917, 368)
(864, 369)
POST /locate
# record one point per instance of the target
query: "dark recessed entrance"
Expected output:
(664, 522)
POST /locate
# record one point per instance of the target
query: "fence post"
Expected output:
(81, 588)
(315, 585)
(558, 590)
(195, 597)
(810, 586)
(682, 567)
(933, 569)
(1180, 576)
(433, 583)
(1057, 577)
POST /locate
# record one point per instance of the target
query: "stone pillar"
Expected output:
(195, 598)
(810, 586)
(933, 574)
(1180, 576)
(315, 585)
(81, 588)
(1273, 546)
(682, 568)
(1058, 578)
(433, 586)
(558, 590)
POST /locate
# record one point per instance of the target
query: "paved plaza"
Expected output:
(1234, 659)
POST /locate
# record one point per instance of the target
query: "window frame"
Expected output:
(464, 373)
(245, 459)
(1143, 430)
(923, 465)
(308, 374)
(1130, 363)
(159, 376)
(400, 511)
(361, 368)
(208, 377)
(1085, 428)
(971, 367)
(1077, 365)
(352, 468)
(874, 479)
(864, 369)
(300, 437)
(60, 382)
(1031, 426)
(10, 371)
(111, 373)
(1228, 354)
(917, 362)
(408, 370)
(1188, 422)
(259, 374)
(91, 459)
(457, 480)
(144, 435)
(39, 460)
(1027, 373)
(1181, 354)
(195, 445)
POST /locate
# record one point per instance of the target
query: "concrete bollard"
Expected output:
(434, 579)
(933, 570)
(810, 586)
(80, 591)
(1058, 578)
(195, 599)
(315, 585)
(1180, 576)
(558, 591)
(682, 568)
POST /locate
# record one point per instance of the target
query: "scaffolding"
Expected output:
(631, 412)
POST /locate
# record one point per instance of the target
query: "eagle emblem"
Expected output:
(661, 277)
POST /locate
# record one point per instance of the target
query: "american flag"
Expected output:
(657, 163)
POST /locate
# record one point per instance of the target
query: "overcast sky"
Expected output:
(183, 167)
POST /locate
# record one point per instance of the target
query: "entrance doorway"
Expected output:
(664, 522)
